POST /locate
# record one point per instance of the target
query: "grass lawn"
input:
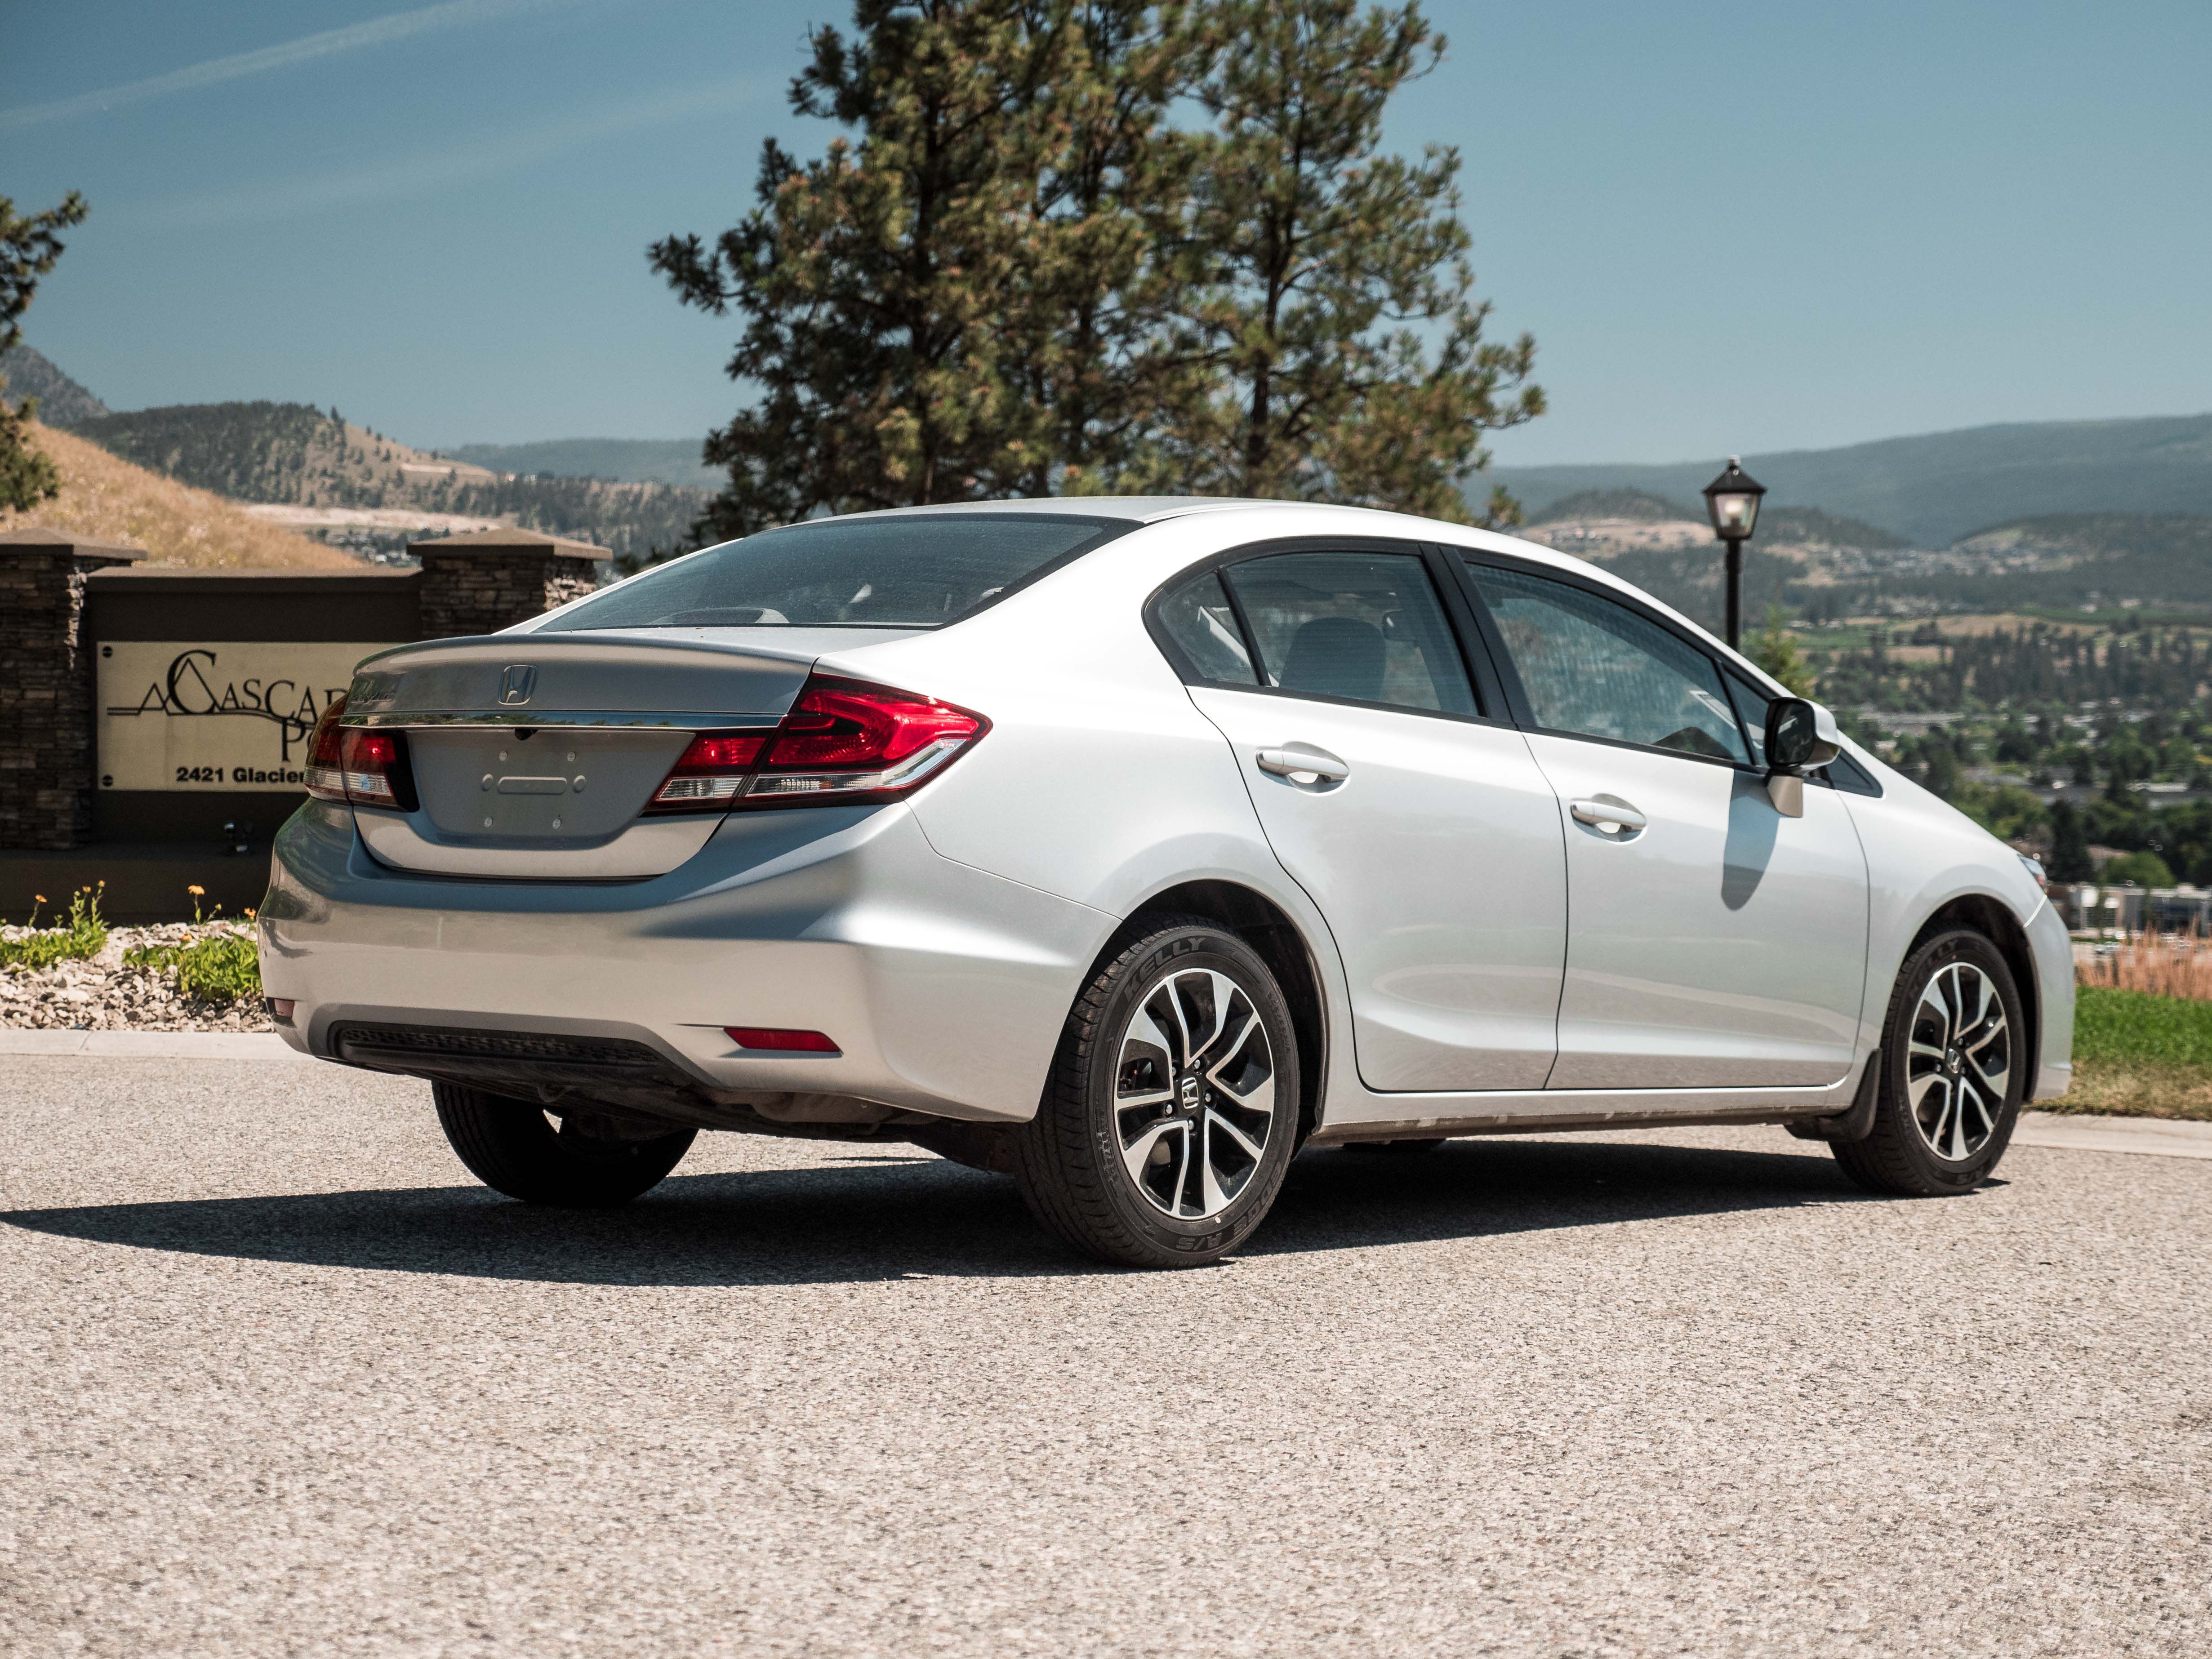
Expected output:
(2140, 1056)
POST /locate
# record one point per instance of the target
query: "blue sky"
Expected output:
(1730, 226)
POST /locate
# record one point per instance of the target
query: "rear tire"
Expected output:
(1172, 1110)
(1953, 1068)
(588, 1162)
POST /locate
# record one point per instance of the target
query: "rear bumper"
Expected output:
(945, 988)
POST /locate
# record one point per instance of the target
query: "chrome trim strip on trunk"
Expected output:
(506, 720)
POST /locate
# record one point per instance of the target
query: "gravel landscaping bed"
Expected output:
(103, 993)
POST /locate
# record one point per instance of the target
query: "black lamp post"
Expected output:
(1732, 501)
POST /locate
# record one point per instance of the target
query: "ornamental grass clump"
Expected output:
(2158, 965)
(83, 933)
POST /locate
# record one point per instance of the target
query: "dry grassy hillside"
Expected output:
(110, 499)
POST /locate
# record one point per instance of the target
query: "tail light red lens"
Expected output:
(325, 777)
(843, 740)
(376, 772)
(709, 775)
(368, 769)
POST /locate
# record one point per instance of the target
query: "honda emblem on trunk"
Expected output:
(516, 684)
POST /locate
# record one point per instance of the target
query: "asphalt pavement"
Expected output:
(277, 1378)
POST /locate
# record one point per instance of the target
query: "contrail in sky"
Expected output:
(377, 31)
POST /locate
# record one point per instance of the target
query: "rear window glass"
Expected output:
(1197, 618)
(922, 571)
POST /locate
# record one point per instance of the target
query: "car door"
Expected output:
(1418, 824)
(1711, 942)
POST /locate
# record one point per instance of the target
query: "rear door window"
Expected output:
(922, 570)
(1363, 627)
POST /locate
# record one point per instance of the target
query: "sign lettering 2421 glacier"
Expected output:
(191, 714)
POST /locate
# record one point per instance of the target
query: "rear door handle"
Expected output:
(1601, 813)
(1302, 758)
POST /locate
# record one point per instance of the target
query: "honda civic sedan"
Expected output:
(1129, 846)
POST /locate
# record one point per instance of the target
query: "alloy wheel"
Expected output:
(1193, 1093)
(1958, 1062)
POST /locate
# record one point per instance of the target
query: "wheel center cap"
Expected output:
(1187, 1093)
(1952, 1060)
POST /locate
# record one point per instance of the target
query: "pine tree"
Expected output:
(1775, 649)
(28, 248)
(874, 281)
(2069, 845)
(1339, 316)
(1099, 291)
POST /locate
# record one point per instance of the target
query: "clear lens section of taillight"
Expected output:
(368, 769)
(326, 775)
(710, 774)
(375, 767)
(843, 740)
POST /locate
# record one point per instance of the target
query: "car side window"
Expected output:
(1198, 618)
(1592, 668)
(1367, 627)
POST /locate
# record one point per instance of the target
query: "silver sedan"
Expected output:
(1128, 846)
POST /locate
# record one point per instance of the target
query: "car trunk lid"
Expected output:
(534, 757)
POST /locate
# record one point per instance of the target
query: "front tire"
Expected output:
(587, 1163)
(1953, 1068)
(1172, 1110)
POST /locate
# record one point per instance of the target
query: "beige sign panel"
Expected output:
(188, 714)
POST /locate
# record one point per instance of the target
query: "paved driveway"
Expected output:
(277, 1378)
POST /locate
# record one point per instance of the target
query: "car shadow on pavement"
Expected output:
(881, 1219)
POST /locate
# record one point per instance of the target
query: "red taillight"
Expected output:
(375, 764)
(843, 740)
(325, 777)
(368, 769)
(781, 1041)
(708, 776)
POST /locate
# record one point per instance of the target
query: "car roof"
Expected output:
(1141, 509)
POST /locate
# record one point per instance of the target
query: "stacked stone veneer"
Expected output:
(481, 583)
(46, 686)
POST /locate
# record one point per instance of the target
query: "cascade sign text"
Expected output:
(190, 716)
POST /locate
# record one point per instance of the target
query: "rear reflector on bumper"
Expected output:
(789, 1043)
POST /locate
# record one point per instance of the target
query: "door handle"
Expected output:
(1602, 813)
(1315, 762)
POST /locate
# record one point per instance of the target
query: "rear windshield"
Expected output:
(919, 571)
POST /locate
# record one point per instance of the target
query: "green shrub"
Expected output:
(83, 934)
(221, 967)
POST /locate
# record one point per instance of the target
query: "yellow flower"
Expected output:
(40, 897)
(196, 892)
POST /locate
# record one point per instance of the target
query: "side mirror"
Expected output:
(1799, 735)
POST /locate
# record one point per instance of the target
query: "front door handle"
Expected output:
(1607, 813)
(1302, 759)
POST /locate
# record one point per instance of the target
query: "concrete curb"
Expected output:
(152, 1045)
(2157, 1136)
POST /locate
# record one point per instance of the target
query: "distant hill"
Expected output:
(61, 401)
(107, 498)
(1808, 526)
(1935, 488)
(296, 455)
(265, 452)
(1633, 505)
(627, 460)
